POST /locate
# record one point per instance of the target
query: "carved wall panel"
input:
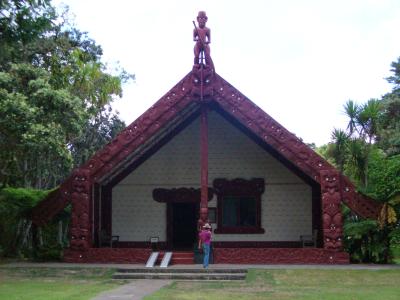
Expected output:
(202, 83)
(80, 229)
(332, 222)
(359, 203)
(278, 256)
(108, 255)
(53, 204)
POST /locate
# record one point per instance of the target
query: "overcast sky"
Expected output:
(300, 61)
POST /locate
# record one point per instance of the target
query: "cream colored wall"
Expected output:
(135, 215)
(286, 202)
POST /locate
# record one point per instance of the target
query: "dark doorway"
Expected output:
(184, 220)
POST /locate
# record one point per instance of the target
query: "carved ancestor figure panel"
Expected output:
(80, 229)
(332, 220)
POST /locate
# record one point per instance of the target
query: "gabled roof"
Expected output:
(182, 101)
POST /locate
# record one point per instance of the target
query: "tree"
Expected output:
(23, 25)
(36, 126)
(340, 142)
(101, 130)
(53, 88)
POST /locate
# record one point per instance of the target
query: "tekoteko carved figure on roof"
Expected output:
(202, 37)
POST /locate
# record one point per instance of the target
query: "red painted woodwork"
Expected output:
(143, 244)
(239, 188)
(108, 255)
(182, 258)
(232, 102)
(202, 37)
(202, 84)
(204, 166)
(180, 195)
(332, 223)
(80, 229)
(258, 244)
(279, 256)
(221, 256)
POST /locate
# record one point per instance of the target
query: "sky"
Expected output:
(300, 61)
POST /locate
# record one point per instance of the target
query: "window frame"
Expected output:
(239, 188)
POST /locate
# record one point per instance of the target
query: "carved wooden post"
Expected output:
(332, 220)
(80, 228)
(204, 166)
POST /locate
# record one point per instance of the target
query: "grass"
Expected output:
(292, 284)
(396, 254)
(53, 283)
(85, 283)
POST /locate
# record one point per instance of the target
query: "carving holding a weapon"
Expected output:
(202, 37)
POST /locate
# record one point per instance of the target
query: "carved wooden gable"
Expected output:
(199, 86)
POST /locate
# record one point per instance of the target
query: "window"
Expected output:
(238, 211)
(239, 205)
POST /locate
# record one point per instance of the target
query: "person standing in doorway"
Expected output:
(205, 241)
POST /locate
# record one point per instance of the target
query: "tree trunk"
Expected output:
(25, 183)
(26, 233)
(39, 178)
(18, 234)
(60, 233)
(40, 236)
(65, 235)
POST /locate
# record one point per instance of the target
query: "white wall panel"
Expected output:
(286, 202)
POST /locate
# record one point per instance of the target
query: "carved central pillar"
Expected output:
(204, 165)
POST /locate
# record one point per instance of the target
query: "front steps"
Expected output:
(180, 274)
(184, 272)
(178, 258)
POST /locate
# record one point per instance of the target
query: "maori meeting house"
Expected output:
(205, 153)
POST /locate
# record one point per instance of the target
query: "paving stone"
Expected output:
(134, 290)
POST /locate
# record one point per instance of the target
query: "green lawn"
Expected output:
(293, 284)
(74, 284)
(54, 284)
(396, 254)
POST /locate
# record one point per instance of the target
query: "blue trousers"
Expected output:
(206, 255)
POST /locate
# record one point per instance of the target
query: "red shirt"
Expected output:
(205, 237)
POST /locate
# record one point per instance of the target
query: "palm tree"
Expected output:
(368, 118)
(363, 128)
(340, 140)
(358, 160)
(351, 109)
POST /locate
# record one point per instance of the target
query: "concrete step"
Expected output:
(183, 270)
(181, 276)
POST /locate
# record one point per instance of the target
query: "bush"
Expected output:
(16, 237)
(49, 253)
